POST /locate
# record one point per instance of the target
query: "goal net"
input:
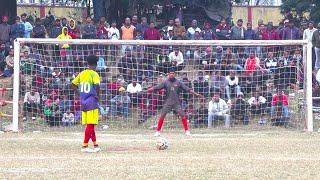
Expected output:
(245, 84)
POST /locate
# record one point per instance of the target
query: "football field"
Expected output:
(208, 154)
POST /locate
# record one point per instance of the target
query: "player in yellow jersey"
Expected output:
(87, 86)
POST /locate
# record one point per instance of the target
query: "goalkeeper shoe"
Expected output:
(96, 148)
(87, 150)
(187, 133)
(157, 134)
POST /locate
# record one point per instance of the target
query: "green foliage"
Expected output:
(300, 9)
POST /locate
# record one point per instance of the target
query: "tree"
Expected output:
(301, 9)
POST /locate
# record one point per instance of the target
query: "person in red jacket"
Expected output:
(73, 30)
(270, 33)
(151, 33)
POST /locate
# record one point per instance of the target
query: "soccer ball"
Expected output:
(162, 144)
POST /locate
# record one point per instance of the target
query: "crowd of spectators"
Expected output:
(237, 81)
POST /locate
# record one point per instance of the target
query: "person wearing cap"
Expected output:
(5, 30)
(291, 32)
(173, 87)
(191, 30)
(307, 33)
(120, 103)
(218, 109)
(240, 108)
(237, 31)
(17, 30)
(316, 45)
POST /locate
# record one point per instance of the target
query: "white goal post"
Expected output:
(307, 61)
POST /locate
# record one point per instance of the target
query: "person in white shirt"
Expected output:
(191, 30)
(271, 63)
(307, 33)
(113, 32)
(176, 57)
(31, 103)
(258, 106)
(232, 84)
(218, 109)
(68, 118)
(134, 89)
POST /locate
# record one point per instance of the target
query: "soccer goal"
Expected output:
(250, 84)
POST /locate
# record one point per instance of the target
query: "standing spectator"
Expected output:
(134, 20)
(17, 30)
(68, 118)
(128, 31)
(113, 31)
(5, 31)
(120, 104)
(64, 22)
(179, 30)
(191, 30)
(249, 34)
(260, 23)
(31, 103)
(39, 31)
(280, 99)
(316, 45)
(270, 33)
(143, 26)
(232, 85)
(201, 85)
(170, 26)
(151, 33)
(56, 29)
(237, 32)
(208, 33)
(73, 30)
(8, 71)
(223, 30)
(291, 32)
(89, 29)
(64, 50)
(201, 116)
(101, 65)
(176, 57)
(218, 109)
(307, 34)
(27, 26)
(102, 29)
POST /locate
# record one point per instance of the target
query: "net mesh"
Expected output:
(258, 86)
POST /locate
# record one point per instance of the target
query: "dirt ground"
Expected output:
(208, 154)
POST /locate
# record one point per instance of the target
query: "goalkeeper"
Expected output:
(86, 84)
(173, 87)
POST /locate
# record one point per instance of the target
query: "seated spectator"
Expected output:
(201, 85)
(145, 68)
(280, 108)
(39, 31)
(197, 36)
(218, 55)
(120, 104)
(258, 104)
(170, 35)
(239, 109)
(127, 63)
(8, 71)
(232, 85)
(252, 64)
(139, 35)
(208, 33)
(271, 62)
(134, 88)
(27, 64)
(148, 107)
(193, 29)
(218, 109)
(176, 57)
(223, 30)
(31, 103)
(200, 116)
(65, 104)
(285, 58)
(146, 83)
(101, 65)
(218, 82)
(52, 114)
(163, 62)
(68, 118)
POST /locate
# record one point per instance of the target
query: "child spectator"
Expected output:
(68, 118)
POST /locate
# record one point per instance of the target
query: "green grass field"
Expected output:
(208, 154)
